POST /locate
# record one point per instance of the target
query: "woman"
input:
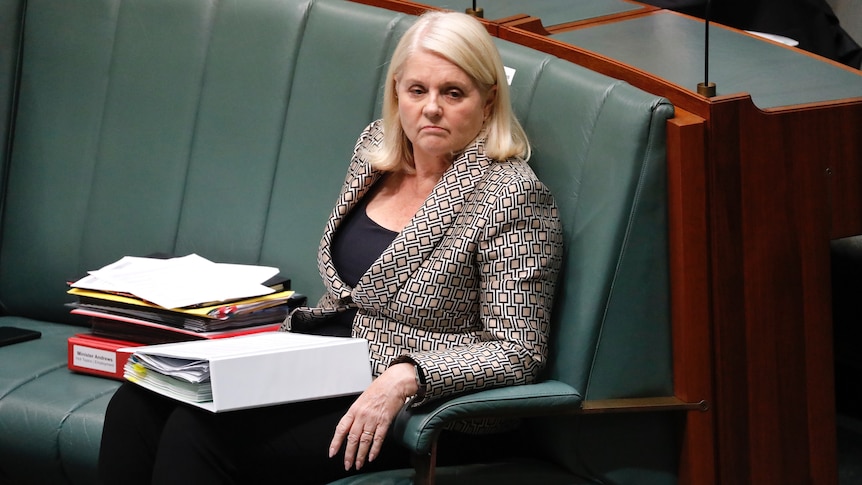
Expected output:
(442, 251)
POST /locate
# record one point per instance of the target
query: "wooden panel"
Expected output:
(724, 233)
(770, 215)
(797, 150)
(404, 6)
(841, 150)
(692, 327)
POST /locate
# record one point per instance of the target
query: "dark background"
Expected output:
(810, 22)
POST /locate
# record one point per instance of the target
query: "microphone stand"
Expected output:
(706, 88)
(476, 12)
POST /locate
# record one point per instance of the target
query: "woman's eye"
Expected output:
(454, 94)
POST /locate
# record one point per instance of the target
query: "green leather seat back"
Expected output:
(339, 70)
(10, 37)
(599, 145)
(164, 126)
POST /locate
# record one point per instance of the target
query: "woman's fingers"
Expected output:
(341, 431)
(363, 428)
(377, 442)
(363, 443)
(365, 440)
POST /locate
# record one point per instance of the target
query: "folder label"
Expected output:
(96, 359)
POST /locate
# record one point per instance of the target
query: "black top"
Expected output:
(357, 243)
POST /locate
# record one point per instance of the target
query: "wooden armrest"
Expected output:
(641, 404)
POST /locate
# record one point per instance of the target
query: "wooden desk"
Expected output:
(761, 178)
(782, 178)
(542, 16)
(551, 15)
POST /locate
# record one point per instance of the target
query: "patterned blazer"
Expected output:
(465, 289)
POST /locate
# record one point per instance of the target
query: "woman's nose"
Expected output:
(432, 107)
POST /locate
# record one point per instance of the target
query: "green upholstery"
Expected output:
(224, 128)
(10, 38)
(50, 418)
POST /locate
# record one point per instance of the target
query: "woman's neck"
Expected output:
(430, 167)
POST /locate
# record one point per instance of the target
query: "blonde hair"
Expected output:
(463, 41)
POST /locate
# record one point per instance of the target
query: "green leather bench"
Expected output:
(224, 129)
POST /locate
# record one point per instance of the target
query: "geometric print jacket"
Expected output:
(465, 290)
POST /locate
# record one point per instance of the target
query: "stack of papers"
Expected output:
(237, 313)
(179, 282)
(152, 300)
(189, 380)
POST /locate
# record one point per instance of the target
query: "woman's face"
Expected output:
(441, 108)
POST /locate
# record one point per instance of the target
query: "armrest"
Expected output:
(417, 428)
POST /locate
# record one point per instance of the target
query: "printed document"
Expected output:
(179, 282)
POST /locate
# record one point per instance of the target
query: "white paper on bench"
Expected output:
(181, 281)
(273, 367)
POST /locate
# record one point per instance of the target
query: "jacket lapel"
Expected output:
(360, 178)
(421, 236)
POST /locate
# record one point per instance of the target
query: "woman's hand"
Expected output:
(364, 427)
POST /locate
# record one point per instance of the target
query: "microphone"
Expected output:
(476, 12)
(706, 88)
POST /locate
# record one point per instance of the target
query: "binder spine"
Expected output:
(99, 357)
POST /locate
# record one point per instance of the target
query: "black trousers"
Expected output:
(151, 439)
(148, 438)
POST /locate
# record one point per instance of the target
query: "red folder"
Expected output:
(98, 356)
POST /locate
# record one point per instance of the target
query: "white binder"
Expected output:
(253, 370)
